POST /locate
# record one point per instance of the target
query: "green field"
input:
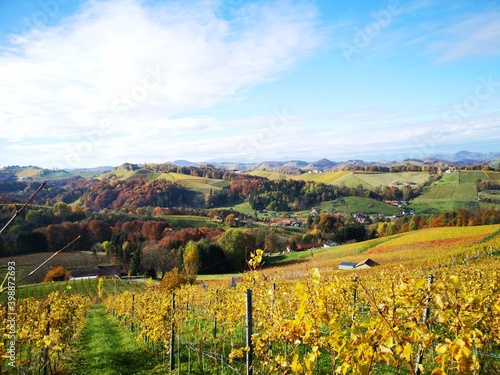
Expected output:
(270, 175)
(325, 177)
(492, 175)
(370, 180)
(453, 191)
(243, 207)
(470, 177)
(188, 221)
(352, 205)
(203, 184)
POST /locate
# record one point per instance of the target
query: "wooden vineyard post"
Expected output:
(425, 318)
(215, 314)
(172, 335)
(249, 329)
(132, 315)
(45, 357)
(354, 296)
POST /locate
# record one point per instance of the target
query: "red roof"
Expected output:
(305, 246)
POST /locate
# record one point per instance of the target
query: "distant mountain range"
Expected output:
(459, 158)
(470, 157)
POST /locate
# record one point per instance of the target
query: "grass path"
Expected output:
(106, 348)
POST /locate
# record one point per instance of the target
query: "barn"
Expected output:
(367, 263)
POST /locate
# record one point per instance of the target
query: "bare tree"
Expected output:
(159, 259)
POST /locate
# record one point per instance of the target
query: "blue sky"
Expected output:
(90, 83)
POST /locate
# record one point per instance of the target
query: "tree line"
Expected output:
(459, 218)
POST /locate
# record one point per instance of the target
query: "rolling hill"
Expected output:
(454, 190)
(433, 247)
(200, 184)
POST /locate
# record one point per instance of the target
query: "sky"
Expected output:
(101, 83)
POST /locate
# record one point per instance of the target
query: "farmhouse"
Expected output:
(366, 263)
(360, 218)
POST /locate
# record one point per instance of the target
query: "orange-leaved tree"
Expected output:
(56, 274)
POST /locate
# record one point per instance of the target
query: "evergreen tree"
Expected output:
(135, 264)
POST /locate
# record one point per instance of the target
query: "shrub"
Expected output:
(55, 274)
(173, 280)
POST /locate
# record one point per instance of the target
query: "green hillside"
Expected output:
(37, 174)
(493, 175)
(454, 190)
(270, 175)
(201, 184)
(326, 177)
(370, 180)
(189, 221)
(352, 205)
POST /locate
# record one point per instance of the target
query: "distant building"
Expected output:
(314, 211)
(366, 263)
(305, 246)
(330, 243)
(284, 223)
(347, 265)
(89, 272)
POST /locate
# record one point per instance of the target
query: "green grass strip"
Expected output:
(107, 348)
(490, 236)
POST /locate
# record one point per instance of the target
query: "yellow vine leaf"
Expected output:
(455, 281)
(296, 366)
(407, 351)
(438, 371)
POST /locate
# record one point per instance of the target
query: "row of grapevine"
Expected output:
(383, 321)
(87, 287)
(36, 332)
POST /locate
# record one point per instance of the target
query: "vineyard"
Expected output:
(41, 320)
(37, 332)
(187, 221)
(89, 288)
(432, 308)
(454, 190)
(372, 180)
(440, 320)
(326, 177)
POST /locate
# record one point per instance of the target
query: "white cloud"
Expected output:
(476, 36)
(142, 70)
